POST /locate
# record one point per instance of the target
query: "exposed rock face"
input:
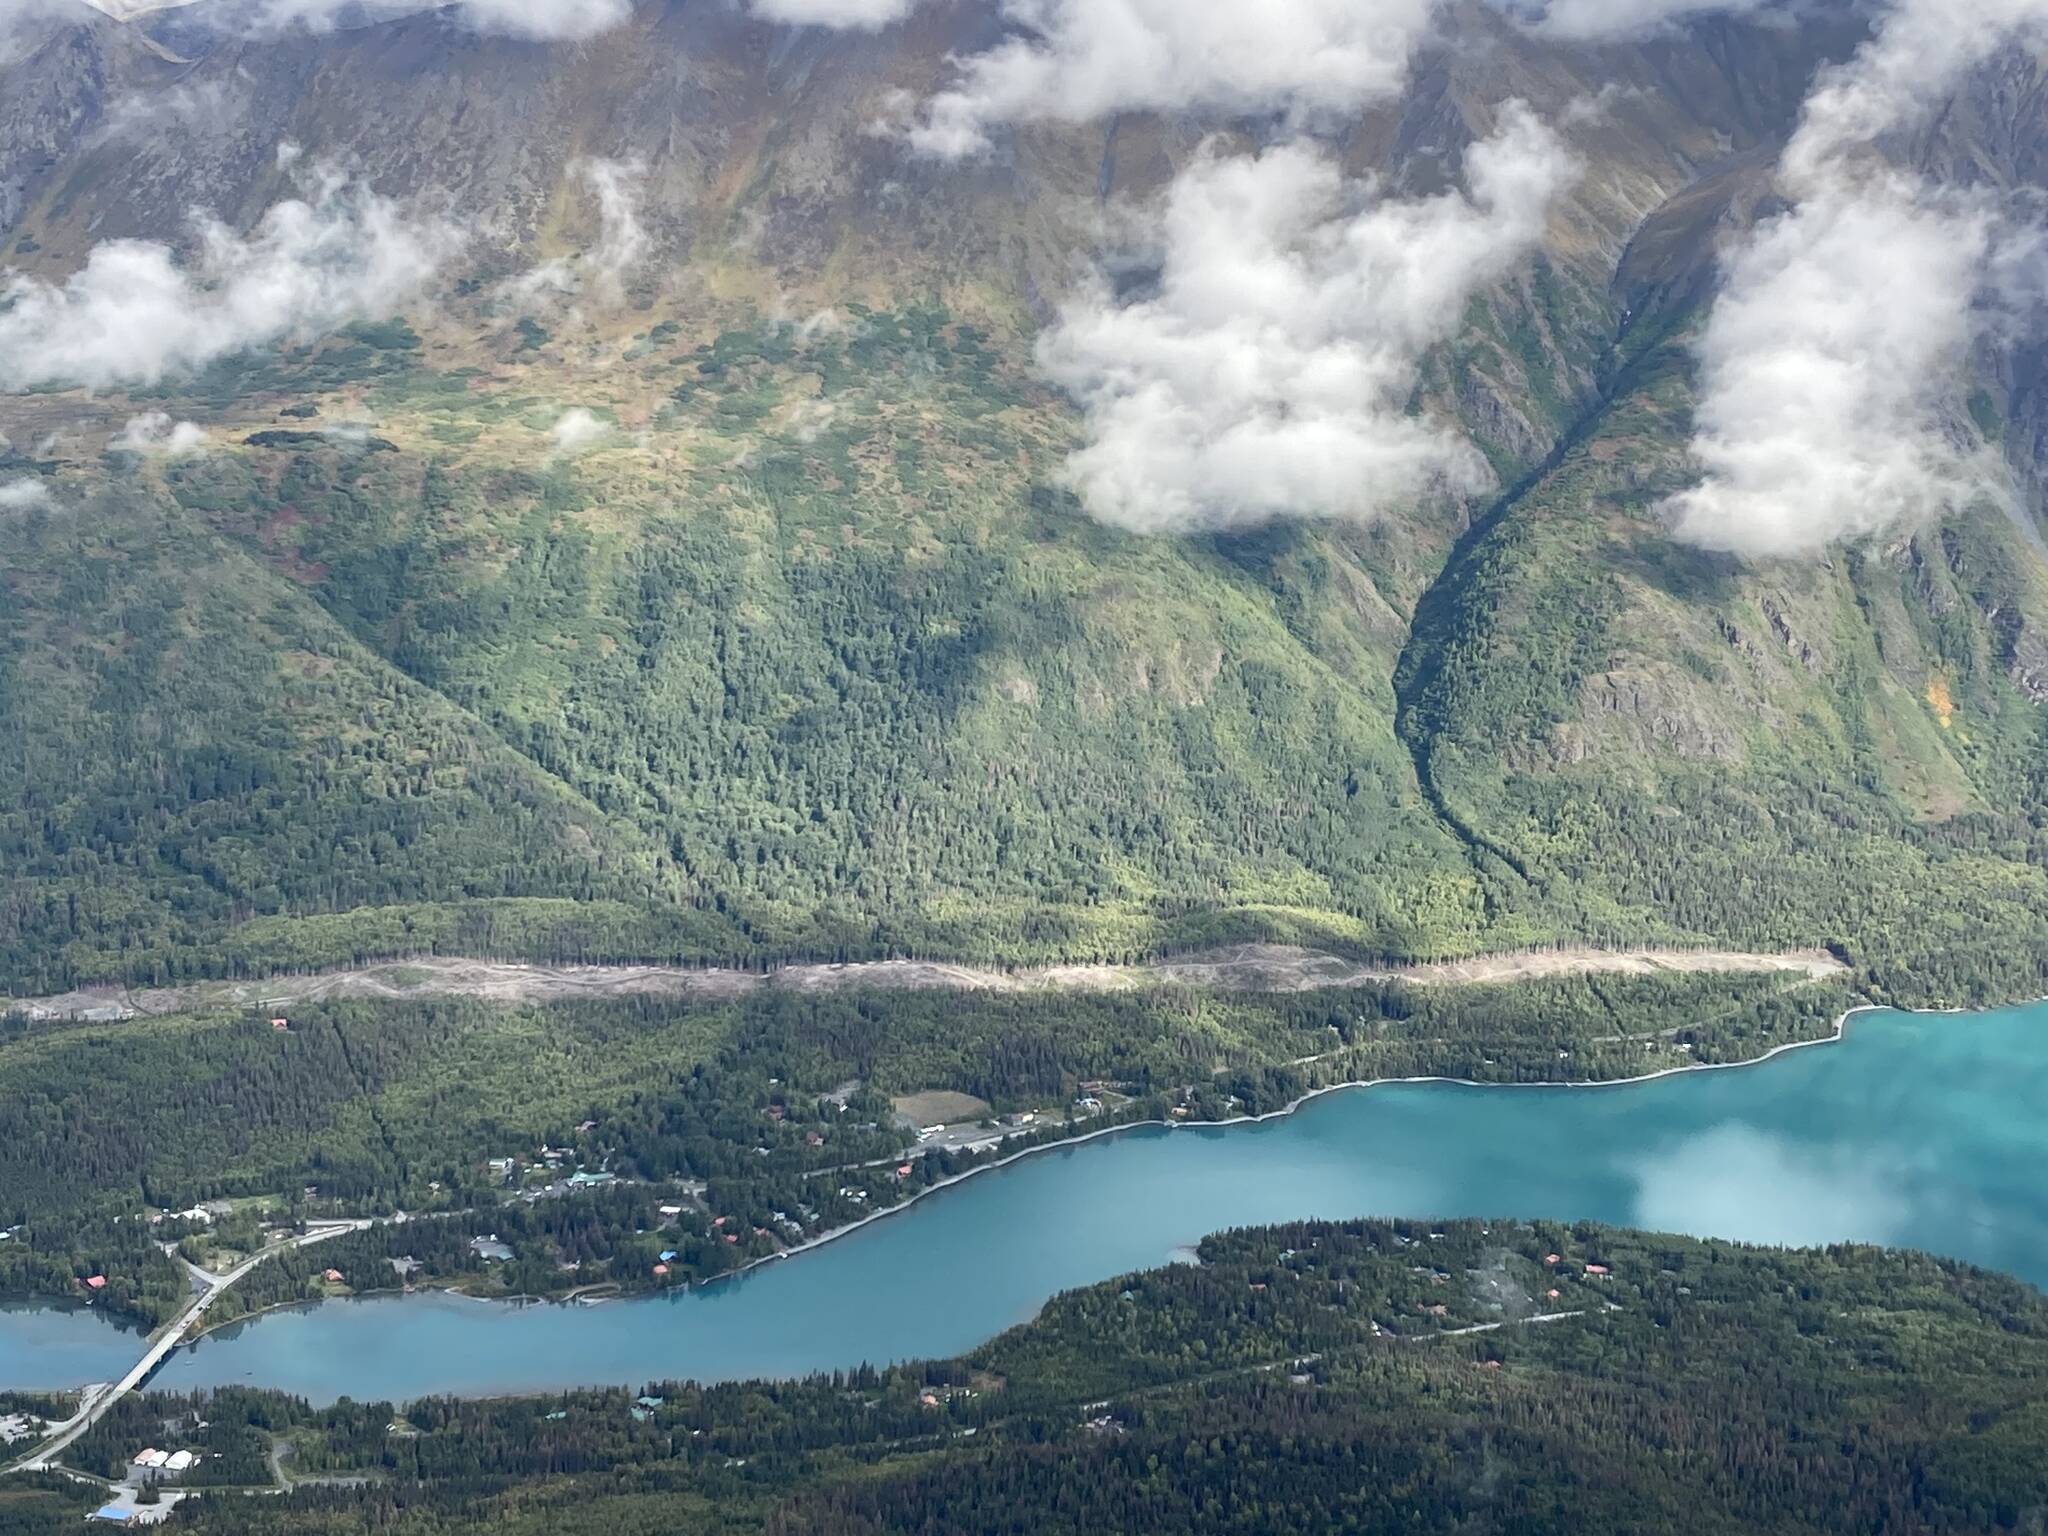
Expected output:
(1779, 616)
(54, 80)
(1643, 710)
(2027, 662)
(759, 155)
(736, 117)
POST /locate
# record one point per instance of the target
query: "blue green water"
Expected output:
(1917, 1131)
(62, 1344)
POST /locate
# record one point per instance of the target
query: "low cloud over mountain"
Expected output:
(134, 313)
(1270, 373)
(1832, 361)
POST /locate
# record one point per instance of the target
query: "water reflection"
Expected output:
(1739, 1182)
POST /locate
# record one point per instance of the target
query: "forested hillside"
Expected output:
(736, 484)
(691, 566)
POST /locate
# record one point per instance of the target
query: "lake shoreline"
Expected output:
(952, 1181)
(1835, 1037)
(1436, 1148)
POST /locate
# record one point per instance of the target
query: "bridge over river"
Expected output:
(97, 1399)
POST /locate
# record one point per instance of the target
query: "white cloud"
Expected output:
(1920, 55)
(577, 429)
(350, 434)
(1270, 374)
(154, 432)
(204, 106)
(20, 495)
(841, 15)
(622, 239)
(807, 420)
(545, 20)
(1077, 60)
(26, 24)
(622, 243)
(533, 20)
(1825, 371)
(1833, 357)
(821, 322)
(133, 314)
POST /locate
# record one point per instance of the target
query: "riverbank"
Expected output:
(454, 1287)
(1903, 1137)
(1136, 1118)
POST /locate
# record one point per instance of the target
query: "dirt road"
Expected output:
(1244, 968)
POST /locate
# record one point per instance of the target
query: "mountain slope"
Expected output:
(742, 614)
(196, 744)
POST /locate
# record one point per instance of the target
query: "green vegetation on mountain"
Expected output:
(815, 661)
(1637, 732)
(1312, 1377)
(819, 667)
(732, 608)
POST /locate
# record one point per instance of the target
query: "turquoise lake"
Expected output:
(1920, 1131)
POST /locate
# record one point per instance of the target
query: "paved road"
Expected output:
(98, 1400)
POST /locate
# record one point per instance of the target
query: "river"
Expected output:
(1916, 1130)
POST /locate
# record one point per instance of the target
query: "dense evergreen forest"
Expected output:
(829, 668)
(863, 689)
(1316, 1377)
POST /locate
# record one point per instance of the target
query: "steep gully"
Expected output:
(1418, 666)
